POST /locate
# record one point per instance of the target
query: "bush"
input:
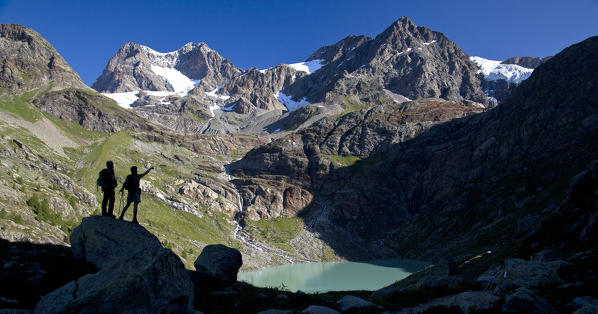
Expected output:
(42, 210)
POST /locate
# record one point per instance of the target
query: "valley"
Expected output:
(398, 146)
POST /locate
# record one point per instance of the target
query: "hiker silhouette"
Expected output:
(133, 192)
(107, 181)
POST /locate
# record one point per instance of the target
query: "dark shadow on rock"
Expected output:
(31, 270)
(459, 188)
(135, 273)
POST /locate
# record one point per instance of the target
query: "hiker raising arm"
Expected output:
(134, 191)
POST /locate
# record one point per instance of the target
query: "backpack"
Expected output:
(101, 179)
(131, 183)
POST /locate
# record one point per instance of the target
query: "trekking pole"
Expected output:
(120, 202)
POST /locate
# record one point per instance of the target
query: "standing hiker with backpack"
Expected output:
(107, 181)
(133, 192)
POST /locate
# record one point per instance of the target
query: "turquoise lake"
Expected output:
(333, 276)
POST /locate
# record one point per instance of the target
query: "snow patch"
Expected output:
(494, 70)
(123, 99)
(289, 102)
(429, 43)
(212, 108)
(229, 108)
(179, 82)
(308, 66)
(213, 93)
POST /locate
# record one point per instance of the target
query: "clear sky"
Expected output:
(265, 33)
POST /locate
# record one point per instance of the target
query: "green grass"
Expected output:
(21, 106)
(345, 161)
(278, 231)
(75, 131)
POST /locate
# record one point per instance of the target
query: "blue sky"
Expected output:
(265, 33)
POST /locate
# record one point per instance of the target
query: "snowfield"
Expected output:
(289, 102)
(494, 70)
(308, 66)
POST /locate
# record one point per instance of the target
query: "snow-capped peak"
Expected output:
(494, 70)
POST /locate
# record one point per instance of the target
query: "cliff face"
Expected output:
(28, 61)
(136, 67)
(410, 60)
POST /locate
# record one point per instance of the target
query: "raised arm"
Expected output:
(146, 172)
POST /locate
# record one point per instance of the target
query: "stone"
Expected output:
(135, 273)
(585, 305)
(353, 303)
(318, 309)
(524, 300)
(220, 262)
(528, 274)
(466, 302)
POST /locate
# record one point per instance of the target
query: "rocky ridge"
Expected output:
(28, 61)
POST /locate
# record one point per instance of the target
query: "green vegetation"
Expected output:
(344, 161)
(75, 131)
(21, 106)
(278, 231)
(42, 210)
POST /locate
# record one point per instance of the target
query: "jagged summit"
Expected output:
(29, 61)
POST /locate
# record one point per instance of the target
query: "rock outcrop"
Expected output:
(90, 110)
(527, 62)
(135, 273)
(133, 68)
(220, 262)
(28, 61)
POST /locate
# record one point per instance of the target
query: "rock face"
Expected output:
(413, 61)
(220, 262)
(90, 110)
(308, 159)
(425, 190)
(527, 62)
(28, 61)
(136, 67)
(135, 273)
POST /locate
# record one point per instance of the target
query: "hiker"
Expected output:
(133, 192)
(107, 181)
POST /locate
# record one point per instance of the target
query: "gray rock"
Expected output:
(585, 305)
(220, 262)
(130, 69)
(467, 302)
(528, 274)
(318, 309)
(524, 300)
(29, 62)
(135, 273)
(354, 303)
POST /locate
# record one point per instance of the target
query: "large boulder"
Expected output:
(219, 262)
(353, 303)
(135, 273)
(528, 274)
(524, 300)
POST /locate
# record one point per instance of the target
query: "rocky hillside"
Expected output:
(463, 180)
(28, 61)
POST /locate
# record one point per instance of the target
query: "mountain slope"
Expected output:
(28, 61)
(466, 185)
(136, 67)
